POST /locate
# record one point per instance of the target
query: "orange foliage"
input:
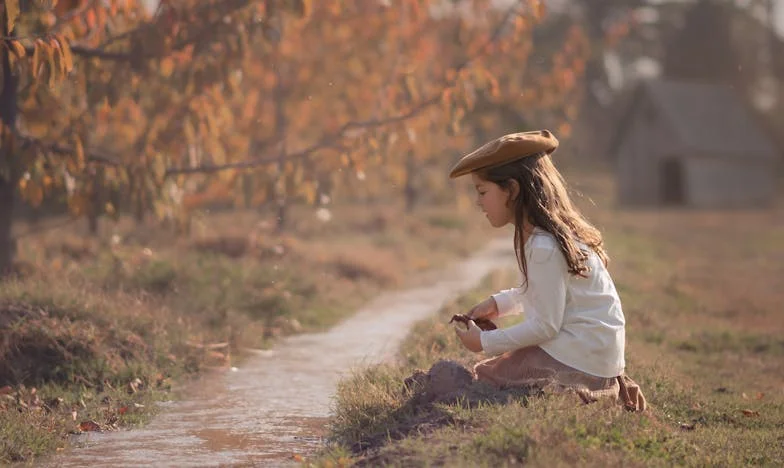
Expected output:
(174, 103)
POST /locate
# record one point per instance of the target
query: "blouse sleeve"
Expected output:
(509, 301)
(546, 300)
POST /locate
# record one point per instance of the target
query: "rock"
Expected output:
(415, 382)
(447, 377)
(445, 381)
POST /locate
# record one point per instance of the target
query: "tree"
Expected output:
(706, 34)
(283, 98)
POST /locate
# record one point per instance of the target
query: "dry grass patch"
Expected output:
(702, 296)
(104, 325)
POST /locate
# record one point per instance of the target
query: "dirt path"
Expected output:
(276, 404)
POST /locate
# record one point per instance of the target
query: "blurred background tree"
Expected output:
(710, 41)
(165, 107)
(114, 107)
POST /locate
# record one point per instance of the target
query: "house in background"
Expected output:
(692, 144)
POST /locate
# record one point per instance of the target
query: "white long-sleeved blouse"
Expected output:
(578, 321)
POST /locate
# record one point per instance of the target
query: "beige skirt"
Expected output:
(533, 367)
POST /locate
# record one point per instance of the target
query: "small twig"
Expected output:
(207, 346)
(64, 149)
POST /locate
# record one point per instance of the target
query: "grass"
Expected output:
(702, 297)
(94, 330)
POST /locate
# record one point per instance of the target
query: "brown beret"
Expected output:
(505, 149)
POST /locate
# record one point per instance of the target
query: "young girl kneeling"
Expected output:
(573, 332)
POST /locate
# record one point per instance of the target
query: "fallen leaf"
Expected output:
(297, 457)
(6, 390)
(688, 427)
(88, 426)
(53, 403)
(135, 384)
(748, 412)
(73, 415)
(760, 396)
(123, 410)
(744, 396)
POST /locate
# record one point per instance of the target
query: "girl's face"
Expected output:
(494, 201)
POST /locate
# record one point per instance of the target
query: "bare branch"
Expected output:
(252, 163)
(201, 35)
(88, 52)
(29, 141)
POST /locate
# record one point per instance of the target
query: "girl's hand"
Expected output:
(486, 309)
(470, 337)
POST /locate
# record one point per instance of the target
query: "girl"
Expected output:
(573, 333)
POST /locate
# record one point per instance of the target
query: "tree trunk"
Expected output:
(410, 189)
(281, 215)
(280, 126)
(92, 224)
(7, 243)
(9, 173)
(138, 214)
(247, 190)
(96, 202)
(135, 201)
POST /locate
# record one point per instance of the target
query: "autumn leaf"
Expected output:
(167, 67)
(47, 4)
(17, 48)
(749, 413)
(307, 7)
(90, 18)
(11, 13)
(539, 9)
(35, 64)
(66, 59)
(35, 194)
(79, 152)
(53, 53)
(411, 88)
(688, 427)
(78, 204)
(89, 426)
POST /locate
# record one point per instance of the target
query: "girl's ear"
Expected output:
(513, 190)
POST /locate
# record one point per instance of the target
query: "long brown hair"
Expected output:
(544, 201)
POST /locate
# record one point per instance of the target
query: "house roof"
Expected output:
(707, 118)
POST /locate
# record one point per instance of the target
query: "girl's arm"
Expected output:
(546, 294)
(509, 302)
(506, 302)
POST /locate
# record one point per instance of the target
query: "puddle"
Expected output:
(276, 405)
